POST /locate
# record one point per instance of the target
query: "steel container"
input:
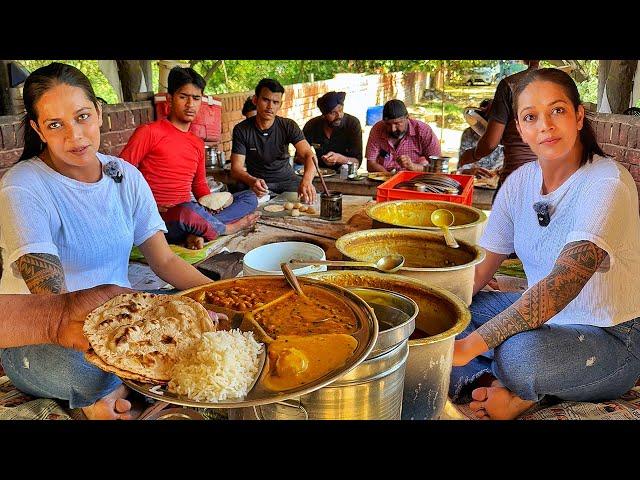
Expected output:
(468, 225)
(427, 256)
(441, 316)
(371, 391)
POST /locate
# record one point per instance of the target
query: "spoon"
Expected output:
(387, 264)
(291, 278)
(443, 218)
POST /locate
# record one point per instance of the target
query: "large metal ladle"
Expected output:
(387, 264)
(443, 218)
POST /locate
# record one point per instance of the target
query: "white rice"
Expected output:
(222, 365)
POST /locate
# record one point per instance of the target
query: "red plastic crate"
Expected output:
(208, 122)
(387, 192)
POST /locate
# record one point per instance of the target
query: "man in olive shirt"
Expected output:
(262, 142)
(336, 136)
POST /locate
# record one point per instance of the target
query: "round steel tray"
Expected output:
(366, 335)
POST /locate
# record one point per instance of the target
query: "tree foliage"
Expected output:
(90, 68)
(243, 75)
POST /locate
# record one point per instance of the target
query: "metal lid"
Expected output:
(475, 120)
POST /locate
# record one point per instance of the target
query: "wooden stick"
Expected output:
(324, 185)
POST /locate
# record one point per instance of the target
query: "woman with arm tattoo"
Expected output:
(69, 218)
(572, 218)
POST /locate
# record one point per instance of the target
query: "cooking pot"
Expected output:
(468, 225)
(427, 256)
(371, 391)
(441, 316)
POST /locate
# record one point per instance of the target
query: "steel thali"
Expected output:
(365, 334)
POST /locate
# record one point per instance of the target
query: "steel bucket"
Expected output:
(371, 391)
(441, 317)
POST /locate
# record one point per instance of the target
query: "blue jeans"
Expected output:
(192, 218)
(52, 371)
(570, 362)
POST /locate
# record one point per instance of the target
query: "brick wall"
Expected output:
(118, 123)
(299, 104)
(619, 136)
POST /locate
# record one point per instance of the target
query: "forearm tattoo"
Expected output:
(576, 264)
(42, 273)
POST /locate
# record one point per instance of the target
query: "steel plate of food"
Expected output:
(274, 345)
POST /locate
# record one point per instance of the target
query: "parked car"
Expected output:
(486, 75)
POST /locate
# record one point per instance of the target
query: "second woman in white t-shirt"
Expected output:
(572, 218)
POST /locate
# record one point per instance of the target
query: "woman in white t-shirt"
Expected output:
(572, 218)
(69, 218)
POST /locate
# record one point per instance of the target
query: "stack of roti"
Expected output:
(141, 336)
(216, 201)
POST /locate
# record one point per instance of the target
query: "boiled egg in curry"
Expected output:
(296, 360)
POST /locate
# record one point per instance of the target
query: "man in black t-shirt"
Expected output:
(262, 143)
(336, 136)
(502, 129)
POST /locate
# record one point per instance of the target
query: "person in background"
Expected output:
(171, 159)
(487, 166)
(335, 135)
(262, 143)
(69, 218)
(398, 142)
(572, 218)
(502, 129)
(249, 108)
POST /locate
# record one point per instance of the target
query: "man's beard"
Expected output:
(336, 123)
(398, 134)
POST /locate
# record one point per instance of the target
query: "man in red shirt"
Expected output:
(171, 159)
(398, 142)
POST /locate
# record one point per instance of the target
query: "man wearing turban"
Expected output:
(398, 142)
(335, 135)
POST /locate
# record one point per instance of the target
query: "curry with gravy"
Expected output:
(311, 336)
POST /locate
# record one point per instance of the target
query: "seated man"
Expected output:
(398, 142)
(262, 142)
(171, 159)
(336, 136)
(249, 109)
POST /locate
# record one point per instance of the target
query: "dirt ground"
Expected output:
(457, 98)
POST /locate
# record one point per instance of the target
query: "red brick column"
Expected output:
(619, 137)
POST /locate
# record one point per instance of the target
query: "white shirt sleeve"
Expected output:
(147, 219)
(25, 224)
(600, 215)
(498, 235)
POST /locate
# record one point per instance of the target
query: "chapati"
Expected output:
(146, 334)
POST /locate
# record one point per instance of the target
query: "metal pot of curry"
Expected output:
(427, 256)
(374, 389)
(441, 316)
(468, 224)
